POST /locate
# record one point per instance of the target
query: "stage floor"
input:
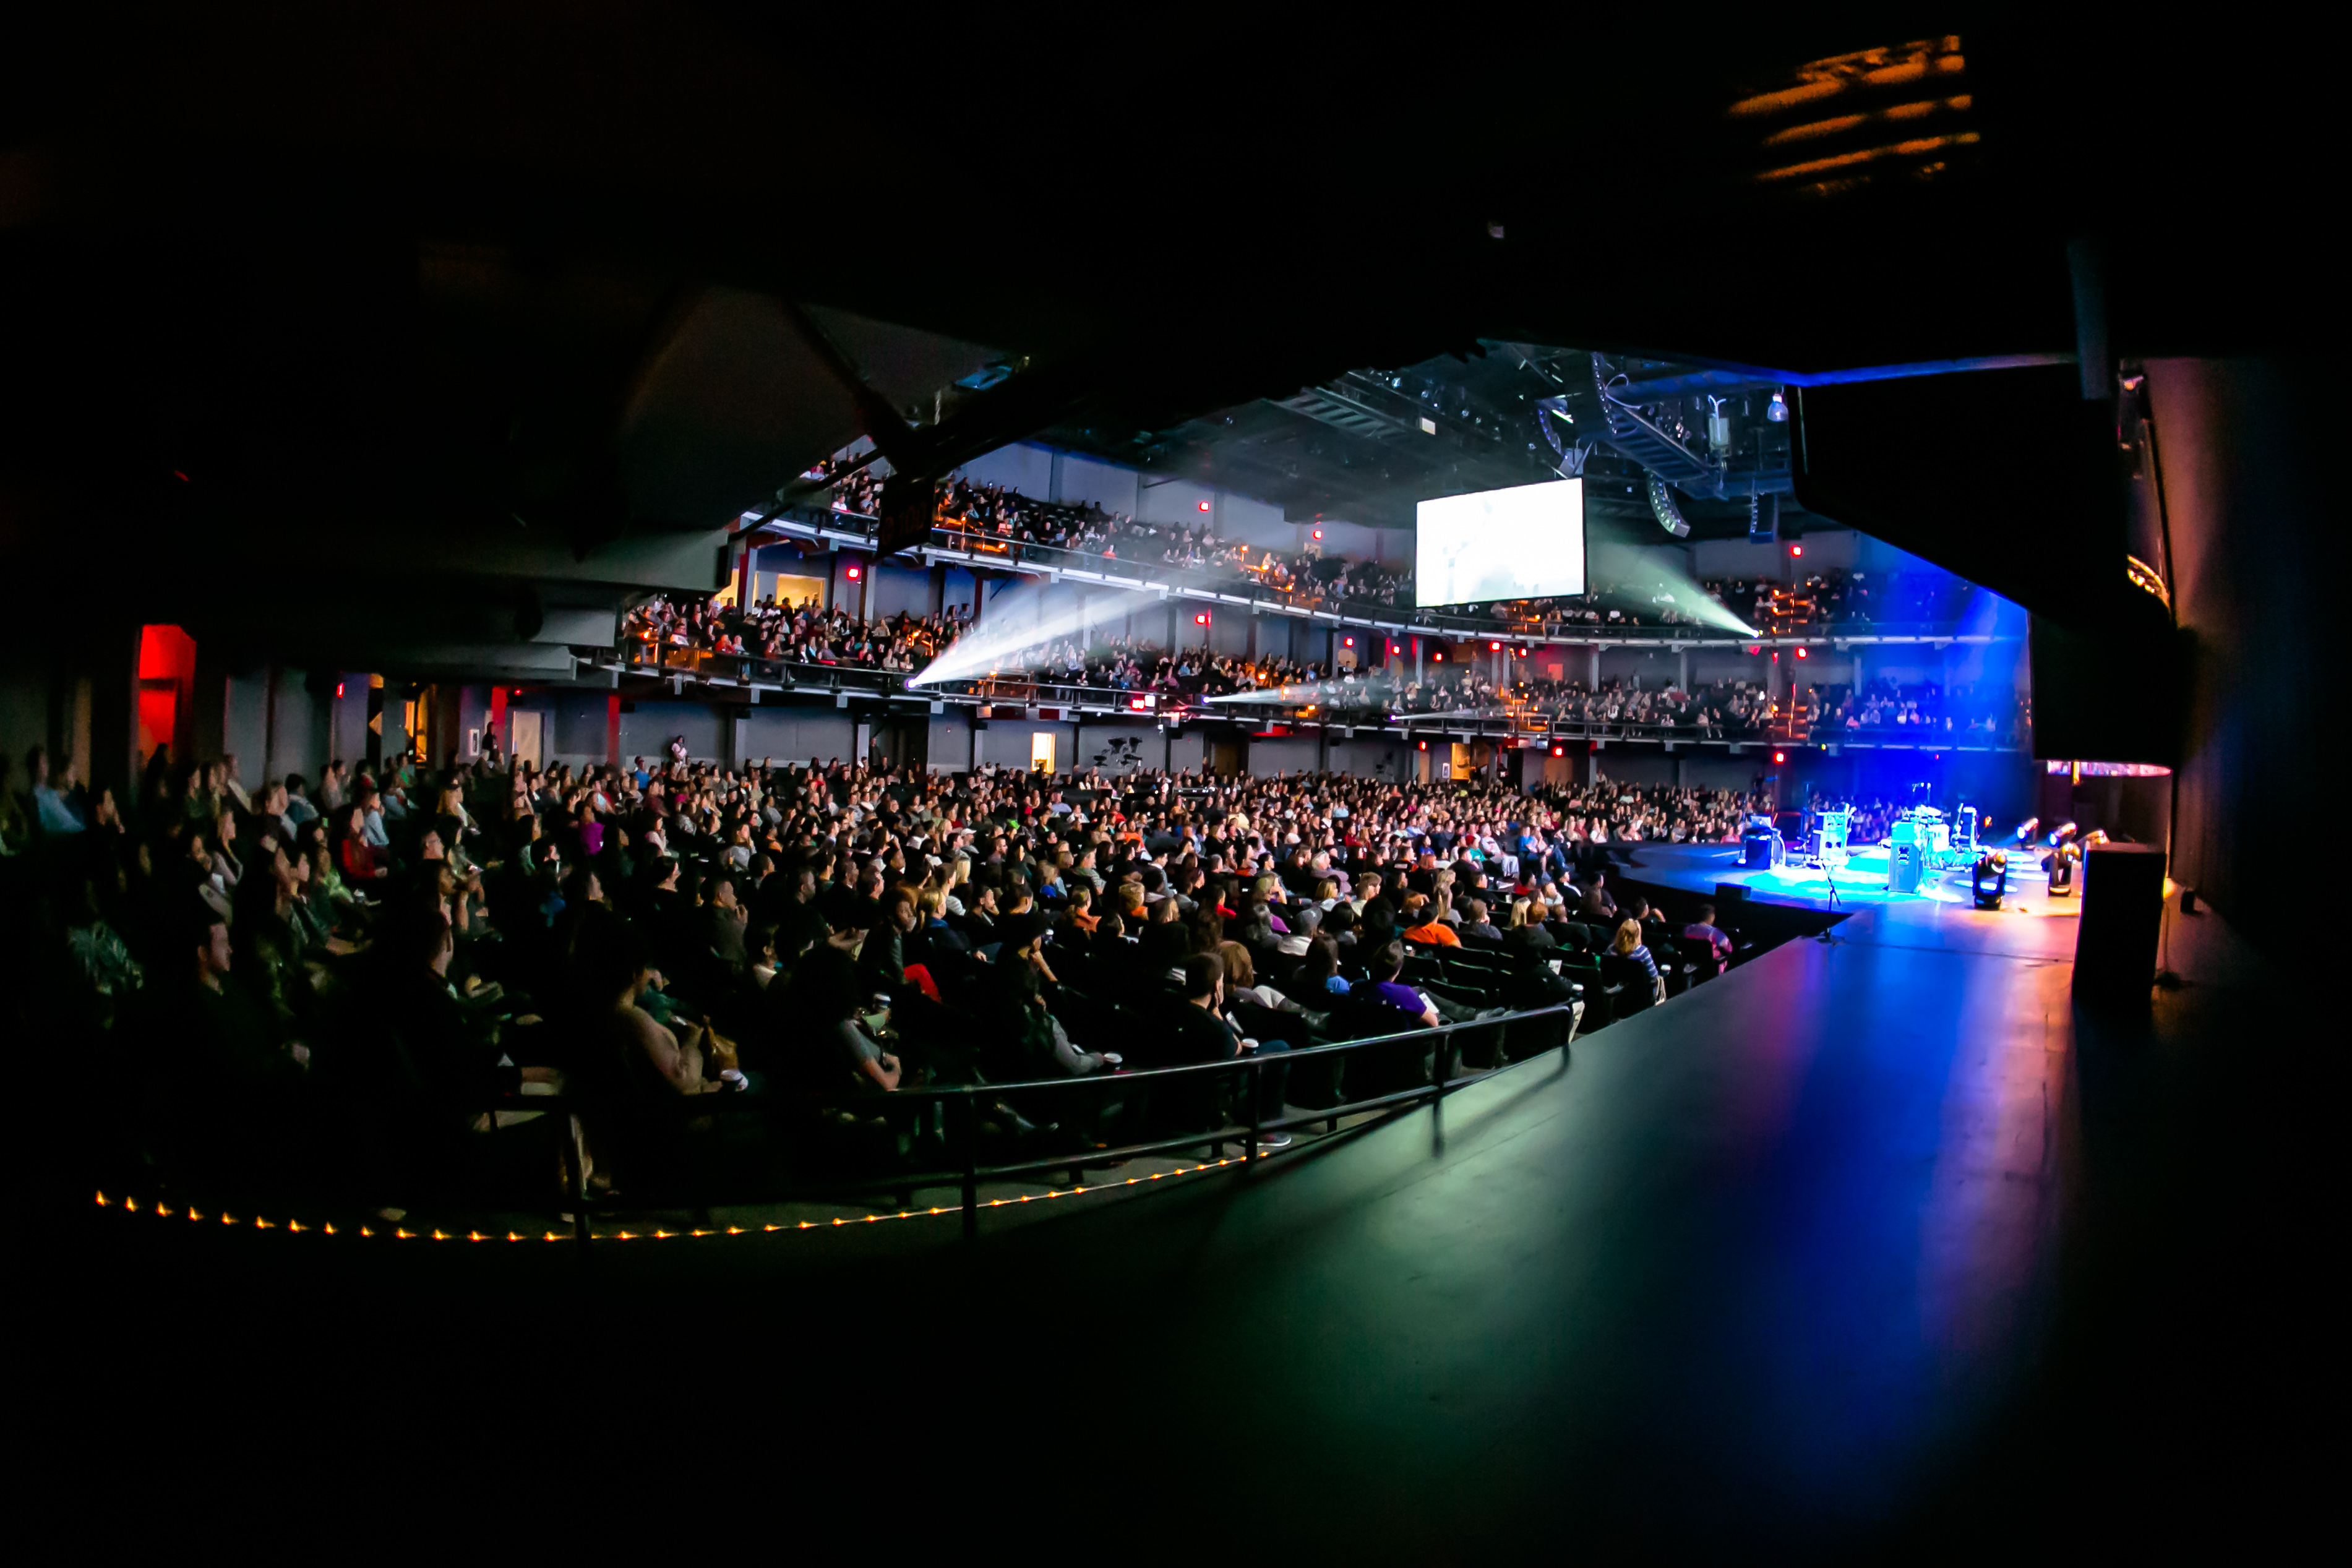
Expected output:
(1861, 882)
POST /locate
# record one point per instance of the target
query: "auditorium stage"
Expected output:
(1860, 883)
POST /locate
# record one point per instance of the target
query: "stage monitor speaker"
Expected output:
(2123, 915)
(1906, 867)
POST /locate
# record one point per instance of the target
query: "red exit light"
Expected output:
(1318, 533)
(1204, 506)
(1347, 641)
(1796, 550)
(1493, 647)
(1800, 652)
(853, 572)
(1778, 757)
(1201, 619)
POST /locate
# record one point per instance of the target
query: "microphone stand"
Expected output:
(1828, 874)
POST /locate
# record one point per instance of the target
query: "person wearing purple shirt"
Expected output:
(1383, 983)
(1703, 929)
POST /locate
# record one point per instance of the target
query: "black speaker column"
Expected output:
(2123, 912)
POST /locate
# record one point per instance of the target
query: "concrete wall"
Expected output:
(301, 739)
(1023, 467)
(1292, 754)
(900, 589)
(1005, 742)
(949, 748)
(1079, 480)
(347, 719)
(25, 681)
(1367, 756)
(797, 734)
(1187, 752)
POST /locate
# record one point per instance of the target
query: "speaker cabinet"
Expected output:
(2123, 913)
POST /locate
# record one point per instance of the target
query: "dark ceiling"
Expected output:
(384, 284)
(1367, 445)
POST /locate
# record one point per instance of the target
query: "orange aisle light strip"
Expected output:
(133, 1206)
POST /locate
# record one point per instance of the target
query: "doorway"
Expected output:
(1041, 751)
(525, 729)
(1228, 757)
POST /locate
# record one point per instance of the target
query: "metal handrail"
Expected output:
(785, 674)
(970, 1172)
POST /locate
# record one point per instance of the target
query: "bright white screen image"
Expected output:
(1526, 542)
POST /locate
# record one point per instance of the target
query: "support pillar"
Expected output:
(113, 744)
(376, 705)
(1682, 669)
(611, 729)
(1416, 660)
(1593, 668)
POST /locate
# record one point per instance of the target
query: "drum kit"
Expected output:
(1924, 842)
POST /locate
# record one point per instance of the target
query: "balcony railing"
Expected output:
(1527, 722)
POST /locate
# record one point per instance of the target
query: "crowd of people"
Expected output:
(803, 634)
(1991, 714)
(999, 515)
(353, 982)
(1980, 712)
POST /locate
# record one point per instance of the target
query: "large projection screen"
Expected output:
(1526, 542)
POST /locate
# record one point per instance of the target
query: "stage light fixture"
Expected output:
(1777, 410)
(1989, 882)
